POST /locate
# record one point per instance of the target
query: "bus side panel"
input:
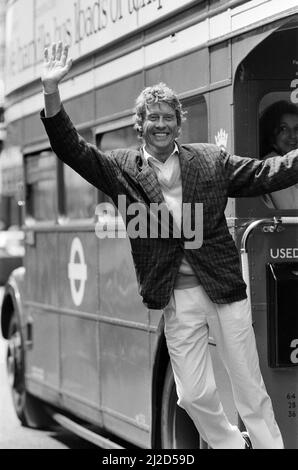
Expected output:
(43, 370)
(15, 134)
(220, 62)
(41, 263)
(125, 90)
(126, 382)
(189, 72)
(80, 367)
(124, 345)
(33, 129)
(82, 108)
(79, 328)
(77, 272)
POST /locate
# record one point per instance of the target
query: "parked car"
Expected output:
(12, 252)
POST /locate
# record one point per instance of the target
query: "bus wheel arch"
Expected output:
(28, 408)
(7, 311)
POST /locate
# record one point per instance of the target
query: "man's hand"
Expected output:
(221, 139)
(55, 67)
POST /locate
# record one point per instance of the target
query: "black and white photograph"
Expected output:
(148, 228)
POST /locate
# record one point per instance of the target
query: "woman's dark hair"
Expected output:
(269, 124)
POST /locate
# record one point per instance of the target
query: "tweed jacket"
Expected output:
(209, 176)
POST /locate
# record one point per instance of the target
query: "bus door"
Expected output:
(265, 94)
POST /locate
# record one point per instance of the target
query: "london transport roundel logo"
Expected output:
(77, 271)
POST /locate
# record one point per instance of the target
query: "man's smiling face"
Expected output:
(160, 129)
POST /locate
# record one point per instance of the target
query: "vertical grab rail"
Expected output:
(274, 223)
(244, 252)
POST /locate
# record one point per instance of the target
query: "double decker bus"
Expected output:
(82, 348)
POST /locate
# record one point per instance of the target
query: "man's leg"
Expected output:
(186, 333)
(231, 326)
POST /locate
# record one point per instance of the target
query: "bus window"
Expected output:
(10, 212)
(278, 135)
(120, 138)
(195, 128)
(80, 196)
(41, 187)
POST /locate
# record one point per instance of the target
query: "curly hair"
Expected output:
(157, 94)
(270, 122)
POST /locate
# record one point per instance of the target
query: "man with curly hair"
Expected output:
(200, 288)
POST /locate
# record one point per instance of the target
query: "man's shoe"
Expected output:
(247, 440)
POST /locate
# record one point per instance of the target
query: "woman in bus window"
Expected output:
(279, 135)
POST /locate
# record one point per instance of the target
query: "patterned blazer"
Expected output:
(209, 176)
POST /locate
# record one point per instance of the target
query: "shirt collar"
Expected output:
(154, 160)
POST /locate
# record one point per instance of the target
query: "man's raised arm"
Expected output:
(55, 67)
(86, 159)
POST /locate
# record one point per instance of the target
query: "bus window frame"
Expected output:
(29, 221)
(192, 100)
(60, 218)
(63, 219)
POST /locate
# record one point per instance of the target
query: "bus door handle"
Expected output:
(29, 333)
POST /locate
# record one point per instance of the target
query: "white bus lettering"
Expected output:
(294, 354)
(294, 94)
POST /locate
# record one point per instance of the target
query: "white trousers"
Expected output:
(188, 318)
